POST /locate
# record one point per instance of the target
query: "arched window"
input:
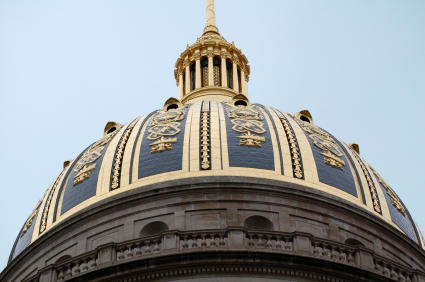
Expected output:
(353, 242)
(153, 228)
(258, 222)
(239, 81)
(63, 258)
(192, 76)
(204, 71)
(217, 71)
(229, 68)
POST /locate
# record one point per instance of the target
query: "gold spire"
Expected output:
(210, 23)
(210, 13)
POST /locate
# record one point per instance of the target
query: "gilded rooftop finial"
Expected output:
(210, 23)
(210, 13)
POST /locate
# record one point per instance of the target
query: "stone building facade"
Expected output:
(214, 188)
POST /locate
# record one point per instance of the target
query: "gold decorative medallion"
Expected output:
(165, 124)
(369, 182)
(295, 154)
(86, 163)
(394, 199)
(332, 152)
(205, 141)
(247, 120)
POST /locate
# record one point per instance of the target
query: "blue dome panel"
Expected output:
(402, 220)
(156, 154)
(341, 178)
(82, 181)
(25, 240)
(257, 156)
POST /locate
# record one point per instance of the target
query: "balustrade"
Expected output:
(396, 272)
(203, 239)
(220, 238)
(139, 247)
(269, 240)
(337, 252)
(77, 265)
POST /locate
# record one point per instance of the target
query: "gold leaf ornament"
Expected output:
(86, 163)
(296, 160)
(395, 201)
(369, 181)
(205, 136)
(165, 124)
(119, 156)
(332, 151)
(247, 120)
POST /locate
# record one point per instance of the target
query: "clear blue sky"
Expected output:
(69, 67)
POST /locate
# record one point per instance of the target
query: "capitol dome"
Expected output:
(213, 185)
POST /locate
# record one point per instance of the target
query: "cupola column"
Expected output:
(180, 95)
(210, 56)
(198, 70)
(223, 70)
(244, 85)
(187, 78)
(235, 76)
(212, 66)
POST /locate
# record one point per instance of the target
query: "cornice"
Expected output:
(209, 184)
(207, 92)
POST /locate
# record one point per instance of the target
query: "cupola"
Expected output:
(211, 68)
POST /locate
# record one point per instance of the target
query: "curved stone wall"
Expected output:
(208, 226)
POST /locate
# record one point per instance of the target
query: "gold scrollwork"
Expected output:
(369, 181)
(241, 125)
(296, 161)
(332, 152)
(205, 124)
(394, 199)
(247, 120)
(165, 123)
(118, 158)
(86, 163)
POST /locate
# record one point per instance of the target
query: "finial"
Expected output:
(210, 13)
(210, 23)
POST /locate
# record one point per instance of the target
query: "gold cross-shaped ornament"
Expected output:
(251, 140)
(162, 144)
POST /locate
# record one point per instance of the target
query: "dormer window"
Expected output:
(172, 107)
(241, 104)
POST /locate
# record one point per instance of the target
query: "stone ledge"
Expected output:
(269, 252)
